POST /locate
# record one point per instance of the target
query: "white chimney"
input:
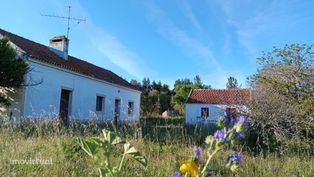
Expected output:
(59, 45)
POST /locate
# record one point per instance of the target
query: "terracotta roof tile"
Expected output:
(219, 96)
(44, 54)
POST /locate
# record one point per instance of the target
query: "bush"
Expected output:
(174, 130)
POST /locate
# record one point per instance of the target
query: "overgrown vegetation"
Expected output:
(157, 97)
(282, 105)
(279, 143)
(12, 71)
(60, 144)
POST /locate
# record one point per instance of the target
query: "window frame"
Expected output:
(207, 114)
(132, 108)
(102, 103)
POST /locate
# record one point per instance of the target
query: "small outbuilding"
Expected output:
(207, 105)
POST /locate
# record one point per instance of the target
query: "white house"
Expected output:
(207, 105)
(63, 86)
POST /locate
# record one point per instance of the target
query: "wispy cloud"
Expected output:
(118, 54)
(188, 12)
(189, 45)
(253, 22)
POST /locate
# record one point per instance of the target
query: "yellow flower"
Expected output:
(189, 167)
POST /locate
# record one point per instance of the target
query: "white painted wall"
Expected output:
(43, 100)
(193, 112)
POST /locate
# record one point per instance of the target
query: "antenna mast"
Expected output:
(69, 18)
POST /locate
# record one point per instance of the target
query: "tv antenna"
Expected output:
(69, 18)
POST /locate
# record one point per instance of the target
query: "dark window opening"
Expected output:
(204, 113)
(130, 108)
(99, 103)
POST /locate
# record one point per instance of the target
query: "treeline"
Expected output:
(157, 97)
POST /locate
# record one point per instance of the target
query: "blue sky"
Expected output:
(167, 40)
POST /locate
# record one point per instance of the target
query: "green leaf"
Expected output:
(218, 144)
(209, 139)
(234, 167)
(132, 152)
(112, 138)
(220, 122)
(90, 146)
(233, 142)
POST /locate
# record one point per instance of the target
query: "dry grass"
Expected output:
(163, 158)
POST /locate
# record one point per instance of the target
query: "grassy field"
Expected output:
(60, 146)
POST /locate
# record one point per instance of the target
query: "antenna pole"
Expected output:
(68, 18)
(69, 21)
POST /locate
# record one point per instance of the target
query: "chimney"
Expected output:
(59, 45)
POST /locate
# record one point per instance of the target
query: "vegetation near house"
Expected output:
(157, 97)
(12, 71)
(281, 114)
(282, 103)
(182, 88)
(232, 83)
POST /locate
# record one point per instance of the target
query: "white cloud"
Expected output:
(118, 54)
(188, 12)
(254, 21)
(189, 45)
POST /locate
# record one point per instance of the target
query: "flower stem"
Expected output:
(208, 160)
(121, 162)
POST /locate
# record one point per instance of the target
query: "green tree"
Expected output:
(181, 94)
(232, 83)
(12, 70)
(146, 86)
(282, 99)
(155, 97)
(182, 88)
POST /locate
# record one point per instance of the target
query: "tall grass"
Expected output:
(48, 139)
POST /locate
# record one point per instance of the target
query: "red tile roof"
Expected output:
(44, 54)
(219, 96)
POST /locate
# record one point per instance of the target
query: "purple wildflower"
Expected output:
(226, 118)
(176, 174)
(209, 172)
(232, 122)
(220, 135)
(240, 134)
(242, 120)
(197, 152)
(235, 157)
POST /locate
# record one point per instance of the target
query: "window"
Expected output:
(204, 113)
(99, 103)
(130, 108)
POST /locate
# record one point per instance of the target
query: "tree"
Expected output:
(232, 83)
(283, 90)
(197, 81)
(155, 97)
(181, 94)
(182, 88)
(12, 71)
(136, 84)
(146, 85)
(198, 84)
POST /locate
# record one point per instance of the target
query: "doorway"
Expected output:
(65, 105)
(117, 105)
